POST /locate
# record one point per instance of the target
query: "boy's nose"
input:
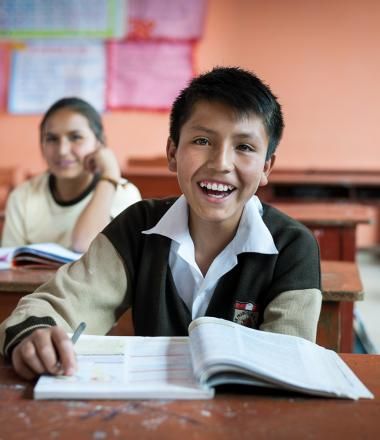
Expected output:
(221, 158)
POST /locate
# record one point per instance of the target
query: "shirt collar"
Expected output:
(174, 223)
(252, 234)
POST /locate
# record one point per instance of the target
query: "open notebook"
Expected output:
(216, 352)
(36, 256)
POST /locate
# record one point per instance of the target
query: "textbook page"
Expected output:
(50, 250)
(37, 256)
(290, 362)
(127, 367)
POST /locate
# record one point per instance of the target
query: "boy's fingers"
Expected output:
(65, 350)
(26, 361)
(46, 351)
(21, 368)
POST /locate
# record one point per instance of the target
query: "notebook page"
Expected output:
(127, 367)
(289, 361)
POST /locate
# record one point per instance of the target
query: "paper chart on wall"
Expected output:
(41, 73)
(166, 19)
(147, 75)
(56, 18)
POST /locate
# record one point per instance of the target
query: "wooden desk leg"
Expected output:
(347, 326)
(329, 326)
(348, 244)
(348, 253)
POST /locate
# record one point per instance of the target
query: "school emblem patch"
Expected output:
(246, 314)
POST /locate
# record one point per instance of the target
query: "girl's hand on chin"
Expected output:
(102, 161)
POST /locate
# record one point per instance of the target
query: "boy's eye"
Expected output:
(201, 141)
(245, 147)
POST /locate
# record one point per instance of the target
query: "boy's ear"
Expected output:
(268, 166)
(171, 151)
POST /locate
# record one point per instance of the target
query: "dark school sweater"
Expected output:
(241, 295)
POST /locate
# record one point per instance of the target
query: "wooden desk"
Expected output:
(153, 181)
(333, 224)
(340, 284)
(351, 186)
(15, 283)
(349, 178)
(263, 414)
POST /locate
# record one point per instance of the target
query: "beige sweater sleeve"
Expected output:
(14, 226)
(295, 312)
(92, 289)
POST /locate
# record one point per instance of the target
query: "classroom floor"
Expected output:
(367, 323)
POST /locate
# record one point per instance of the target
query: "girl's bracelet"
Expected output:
(114, 182)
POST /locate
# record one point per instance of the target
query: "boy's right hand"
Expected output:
(46, 350)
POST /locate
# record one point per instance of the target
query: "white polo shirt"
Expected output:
(195, 289)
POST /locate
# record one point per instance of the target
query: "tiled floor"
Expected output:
(368, 311)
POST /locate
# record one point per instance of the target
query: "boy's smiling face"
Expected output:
(220, 162)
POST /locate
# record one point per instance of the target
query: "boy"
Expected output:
(214, 251)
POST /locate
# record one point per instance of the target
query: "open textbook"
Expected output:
(216, 352)
(36, 256)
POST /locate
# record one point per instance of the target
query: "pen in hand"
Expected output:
(74, 338)
(78, 331)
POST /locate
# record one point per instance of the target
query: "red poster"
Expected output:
(147, 75)
(166, 19)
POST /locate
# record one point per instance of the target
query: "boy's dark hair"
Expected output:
(237, 88)
(77, 105)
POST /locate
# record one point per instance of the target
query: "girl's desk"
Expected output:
(341, 286)
(15, 283)
(262, 414)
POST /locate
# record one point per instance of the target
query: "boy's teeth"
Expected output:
(216, 187)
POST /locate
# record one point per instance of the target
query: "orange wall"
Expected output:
(321, 57)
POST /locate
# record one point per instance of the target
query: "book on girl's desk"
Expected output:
(36, 256)
(216, 352)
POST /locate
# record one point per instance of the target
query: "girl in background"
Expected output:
(82, 189)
